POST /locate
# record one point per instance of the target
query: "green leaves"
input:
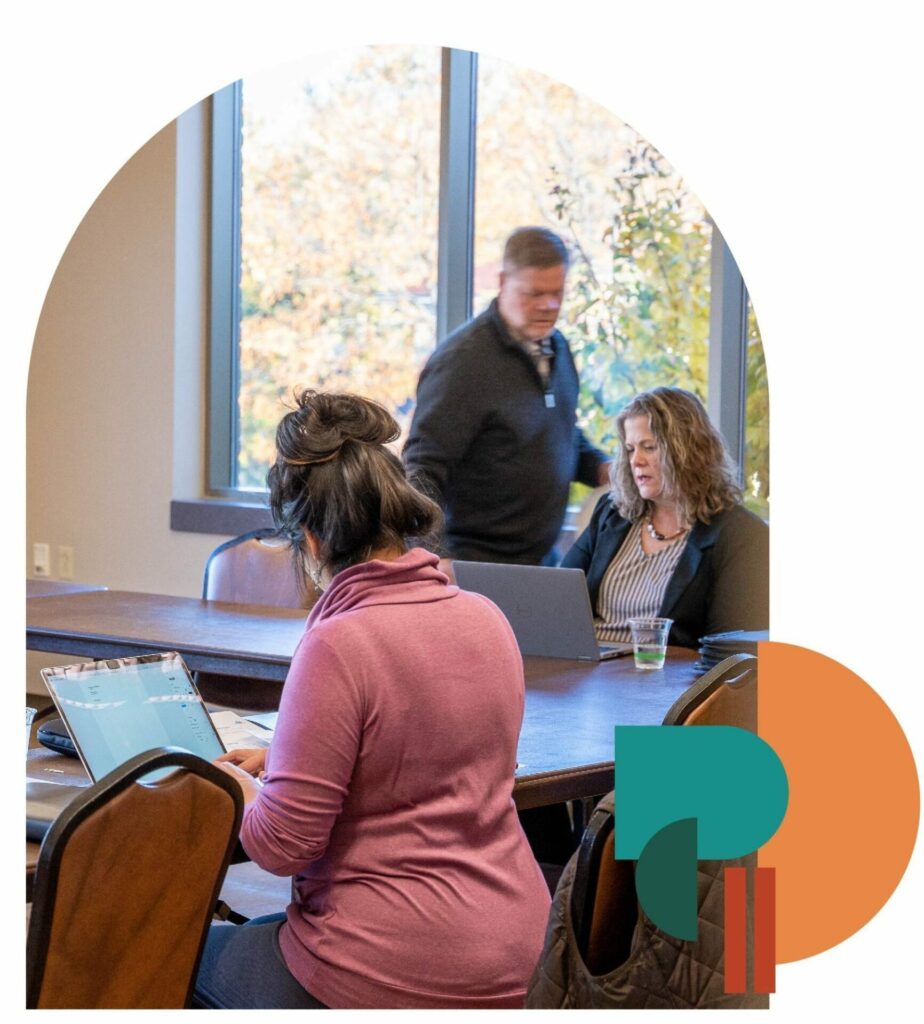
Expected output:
(642, 314)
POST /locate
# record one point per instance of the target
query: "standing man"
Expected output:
(494, 437)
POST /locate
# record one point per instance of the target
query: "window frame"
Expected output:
(726, 386)
(224, 292)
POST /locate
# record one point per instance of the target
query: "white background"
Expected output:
(798, 125)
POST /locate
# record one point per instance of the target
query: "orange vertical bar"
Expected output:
(736, 969)
(765, 930)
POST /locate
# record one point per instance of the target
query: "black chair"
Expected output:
(125, 885)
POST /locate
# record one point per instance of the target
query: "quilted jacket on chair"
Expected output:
(660, 973)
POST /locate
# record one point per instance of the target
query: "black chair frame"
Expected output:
(587, 871)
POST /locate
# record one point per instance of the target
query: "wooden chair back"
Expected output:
(126, 882)
(726, 695)
(255, 568)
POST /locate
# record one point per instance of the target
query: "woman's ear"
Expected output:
(314, 545)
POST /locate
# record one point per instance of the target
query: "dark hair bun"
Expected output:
(334, 476)
(322, 423)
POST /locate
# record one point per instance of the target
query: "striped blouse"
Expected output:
(634, 584)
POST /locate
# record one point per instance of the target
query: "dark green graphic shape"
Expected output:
(665, 879)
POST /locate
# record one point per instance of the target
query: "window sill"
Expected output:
(219, 516)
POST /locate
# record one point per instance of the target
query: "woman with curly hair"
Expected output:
(387, 791)
(671, 538)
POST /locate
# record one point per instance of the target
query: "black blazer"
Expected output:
(721, 581)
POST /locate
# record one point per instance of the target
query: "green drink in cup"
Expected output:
(649, 638)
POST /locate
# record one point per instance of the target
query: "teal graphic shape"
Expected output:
(728, 779)
(665, 879)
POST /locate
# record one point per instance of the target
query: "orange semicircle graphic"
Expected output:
(854, 799)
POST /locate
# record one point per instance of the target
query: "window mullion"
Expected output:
(457, 190)
(224, 292)
(728, 348)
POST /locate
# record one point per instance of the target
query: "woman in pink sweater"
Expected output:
(387, 791)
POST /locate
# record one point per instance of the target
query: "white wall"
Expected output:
(115, 407)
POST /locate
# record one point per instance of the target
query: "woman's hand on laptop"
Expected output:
(251, 759)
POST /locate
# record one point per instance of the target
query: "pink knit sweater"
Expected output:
(388, 796)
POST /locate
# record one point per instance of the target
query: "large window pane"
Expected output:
(340, 177)
(637, 308)
(339, 228)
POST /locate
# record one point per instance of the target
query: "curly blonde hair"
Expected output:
(697, 470)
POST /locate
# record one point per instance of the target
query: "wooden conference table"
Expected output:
(55, 588)
(566, 743)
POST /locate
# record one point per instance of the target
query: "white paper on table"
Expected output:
(237, 732)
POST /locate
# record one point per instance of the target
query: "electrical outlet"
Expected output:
(65, 562)
(41, 560)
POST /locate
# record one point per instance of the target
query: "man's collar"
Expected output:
(501, 325)
(509, 339)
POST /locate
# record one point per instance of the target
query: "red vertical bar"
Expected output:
(736, 970)
(765, 930)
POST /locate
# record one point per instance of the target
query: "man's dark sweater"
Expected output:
(496, 447)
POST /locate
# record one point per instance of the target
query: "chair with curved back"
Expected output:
(726, 695)
(254, 568)
(126, 882)
(608, 943)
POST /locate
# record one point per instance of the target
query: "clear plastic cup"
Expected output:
(649, 640)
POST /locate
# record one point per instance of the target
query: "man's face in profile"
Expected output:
(529, 300)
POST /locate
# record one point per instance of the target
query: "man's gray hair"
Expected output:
(534, 247)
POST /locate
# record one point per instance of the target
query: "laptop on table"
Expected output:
(115, 709)
(547, 607)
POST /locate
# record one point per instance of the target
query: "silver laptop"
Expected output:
(548, 608)
(115, 709)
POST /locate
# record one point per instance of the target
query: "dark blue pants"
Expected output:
(242, 969)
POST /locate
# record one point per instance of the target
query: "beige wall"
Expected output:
(115, 406)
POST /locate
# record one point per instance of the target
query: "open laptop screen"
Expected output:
(117, 708)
